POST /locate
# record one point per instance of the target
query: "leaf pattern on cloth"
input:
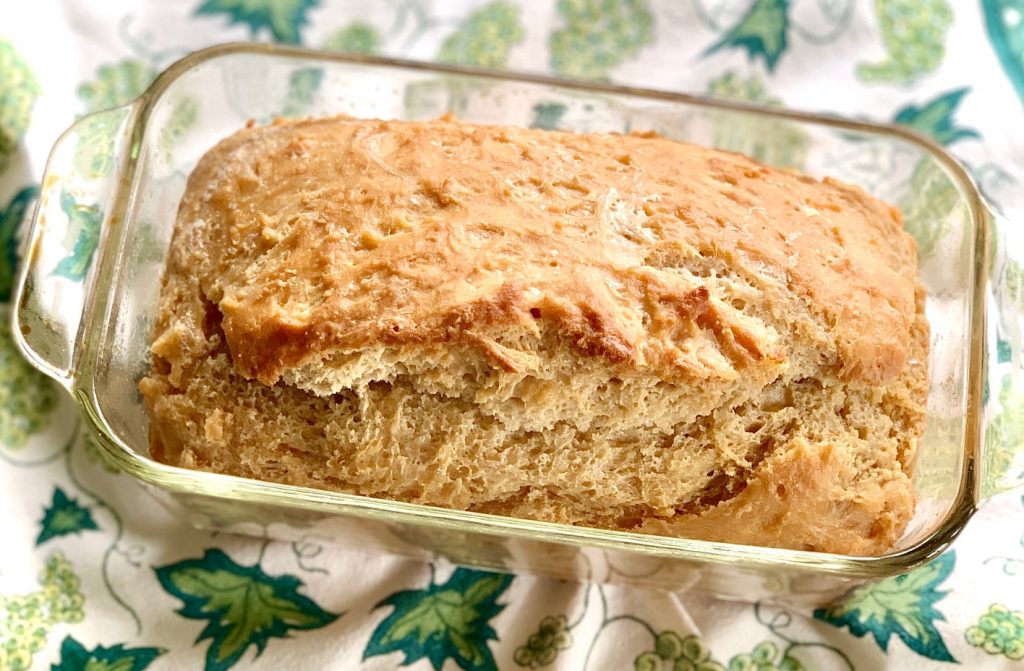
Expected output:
(914, 33)
(548, 116)
(303, 85)
(283, 19)
(762, 32)
(355, 38)
(18, 92)
(64, 516)
(598, 35)
(27, 397)
(935, 117)
(84, 229)
(243, 605)
(485, 38)
(74, 657)
(903, 605)
(444, 621)
(11, 218)
(27, 619)
(672, 651)
(1006, 33)
(999, 631)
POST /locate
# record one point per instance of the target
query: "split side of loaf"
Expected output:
(614, 331)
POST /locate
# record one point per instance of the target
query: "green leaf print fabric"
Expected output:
(1006, 31)
(904, 606)
(244, 606)
(64, 516)
(74, 657)
(96, 575)
(447, 621)
(761, 32)
(282, 19)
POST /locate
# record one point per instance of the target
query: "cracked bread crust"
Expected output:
(617, 331)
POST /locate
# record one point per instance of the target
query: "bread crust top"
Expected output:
(327, 236)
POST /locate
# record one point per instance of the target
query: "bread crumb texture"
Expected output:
(613, 331)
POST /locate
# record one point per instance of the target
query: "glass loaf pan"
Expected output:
(87, 323)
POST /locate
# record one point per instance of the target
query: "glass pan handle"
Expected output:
(80, 184)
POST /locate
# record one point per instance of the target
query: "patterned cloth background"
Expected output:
(94, 575)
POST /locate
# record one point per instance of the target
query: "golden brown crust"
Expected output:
(336, 234)
(627, 302)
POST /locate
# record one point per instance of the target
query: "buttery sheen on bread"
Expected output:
(624, 332)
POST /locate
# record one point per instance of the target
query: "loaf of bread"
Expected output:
(612, 331)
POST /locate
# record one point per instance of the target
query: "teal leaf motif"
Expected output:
(903, 605)
(935, 117)
(1006, 33)
(10, 219)
(448, 621)
(243, 605)
(303, 85)
(1004, 351)
(283, 18)
(85, 227)
(599, 35)
(64, 516)
(74, 657)
(761, 31)
(548, 115)
(485, 38)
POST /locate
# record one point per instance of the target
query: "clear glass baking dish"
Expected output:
(95, 252)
